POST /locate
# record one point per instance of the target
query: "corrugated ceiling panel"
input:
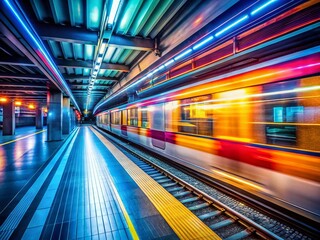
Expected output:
(89, 52)
(131, 10)
(125, 54)
(78, 51)
(142, 17)
(55, 49)
(67, 50)
(94, 12)
(155, 17)
(132, 56)
(109, 54)
(76, 12)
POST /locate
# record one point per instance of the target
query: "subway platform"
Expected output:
(84, 188)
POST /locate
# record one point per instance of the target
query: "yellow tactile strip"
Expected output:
(182, 221)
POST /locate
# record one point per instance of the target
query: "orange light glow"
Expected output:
(45, 110)
(3, 99)
(198, 20)
(18, 103)
(31, 106)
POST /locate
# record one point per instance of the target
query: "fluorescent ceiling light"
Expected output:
(102, 48)
(262, 7)
(169, 63)
(181, 55)
(231, 25)
(202, 43)
(113, 12)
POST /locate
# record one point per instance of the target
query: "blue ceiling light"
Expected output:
(200, 44)
(181, 55)
(231, 25)
(36, 40)
(161, 67)
(262, 7)
(113, 12)
(169, 63)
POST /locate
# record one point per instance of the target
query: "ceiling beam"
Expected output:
(83, 36)
(79, 77)
(85, 90)
(21, 85)
(64, 63)
(16, 61)
(22, 90)
(89, 64)
(86, 85)
(24, 76)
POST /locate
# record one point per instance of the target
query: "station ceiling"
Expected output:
(91, 47)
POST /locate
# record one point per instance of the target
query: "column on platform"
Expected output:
(39, 117)
(66, 120)
(9, 123)
(54, 118)
(72, 117)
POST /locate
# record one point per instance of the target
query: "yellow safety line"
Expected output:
(22, 138)
(182, 221)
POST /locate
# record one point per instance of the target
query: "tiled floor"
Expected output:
(85, 203)
(20, 161)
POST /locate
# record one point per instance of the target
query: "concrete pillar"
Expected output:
(39, 118)
(54, 119)
(72, 116)
(66, 121)
(9, 125)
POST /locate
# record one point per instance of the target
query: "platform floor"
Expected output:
(85, 188)
(79, 198)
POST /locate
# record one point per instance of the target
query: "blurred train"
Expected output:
(257, 129)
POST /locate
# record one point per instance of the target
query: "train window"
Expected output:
(144, 118)
(115, 117)
(196, 116)
(133, 117)
(281, 113)
(124, 117)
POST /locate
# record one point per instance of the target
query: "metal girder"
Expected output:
(24, 76)
(79, 77)
(21, 85)
(133, 43)
(83, 36)
(85, 90)
(89, 64)
(22, 90)
(86, 85)
(66, 34)
(64, 63)
(16, 61)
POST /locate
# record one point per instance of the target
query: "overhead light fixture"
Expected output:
(200, 44)
(181, 55)
(17, 103)
(3, 99)
(102, 48)
(231, 25)
(262, 7)
(113, 11)
(169, 63)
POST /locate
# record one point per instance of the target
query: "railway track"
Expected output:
(223, 220)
